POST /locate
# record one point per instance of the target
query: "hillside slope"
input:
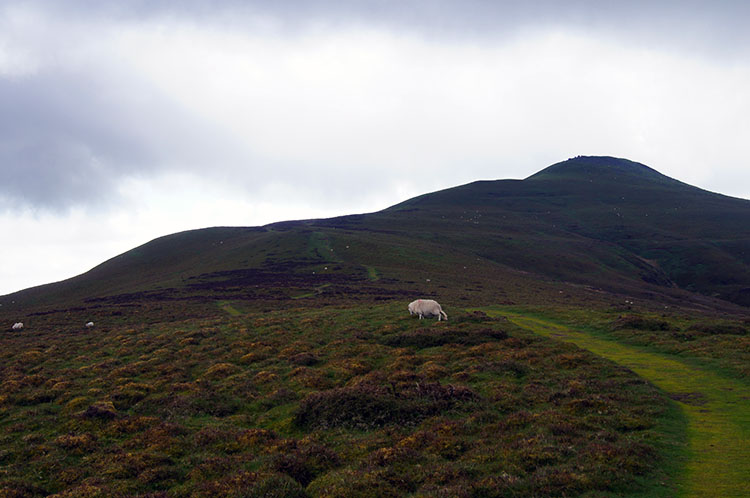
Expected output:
(593, 222)
(600, 219)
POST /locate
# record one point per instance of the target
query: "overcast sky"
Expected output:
(124, 121)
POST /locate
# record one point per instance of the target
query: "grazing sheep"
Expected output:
(427, 307)
(18, 326)
(89, 325)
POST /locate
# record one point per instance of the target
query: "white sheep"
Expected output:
(89, 325)
(427, 307)
(18, 326)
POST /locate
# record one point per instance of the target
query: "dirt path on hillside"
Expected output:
(718, 408)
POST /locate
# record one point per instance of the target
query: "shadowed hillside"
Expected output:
(597, 223)
(601, 221)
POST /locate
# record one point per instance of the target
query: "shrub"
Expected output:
(199, 402)
(719, 328)
(433, 371)
(254, 356)
(310, 377)
(133, 424)
(35, 397)
(507, 366)
(279, 397)
(77, 444)
(82, 491)
(76, 404)
(161, 475)
(477, 317)
(639, 322)
(211, 468)
(303, 359)
(276, 486)
(556, 481)
(211, 435)
(572, 360)
(129, 465)
(367, 405)
(103, 410)
(256, 438)
(129, 394)
(221, 370)
(233, 485)
(306, 462)
(265, 377)
(428, 338)
(348, 483)
(396, 454)
(363, 406)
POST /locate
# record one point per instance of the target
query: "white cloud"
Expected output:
(351, 104)
(49, 247)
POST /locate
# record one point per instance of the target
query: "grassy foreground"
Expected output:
(716, 406)
(334, 401)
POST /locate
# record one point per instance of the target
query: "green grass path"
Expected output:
(717, 408)
(227, 306)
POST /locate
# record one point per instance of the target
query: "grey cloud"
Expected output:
(66, 139)
(67, 136)
(695, 25)
(60, 143)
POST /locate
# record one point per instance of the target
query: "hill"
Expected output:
(601, 220)
(586, 353)
(591, 223)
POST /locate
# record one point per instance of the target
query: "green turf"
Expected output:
(717, 408)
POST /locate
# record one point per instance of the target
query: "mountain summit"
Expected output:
(602, 168)
(592, 222)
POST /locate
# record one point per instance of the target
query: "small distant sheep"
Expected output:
(427, 307)
(18, 326)
(89, 325)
